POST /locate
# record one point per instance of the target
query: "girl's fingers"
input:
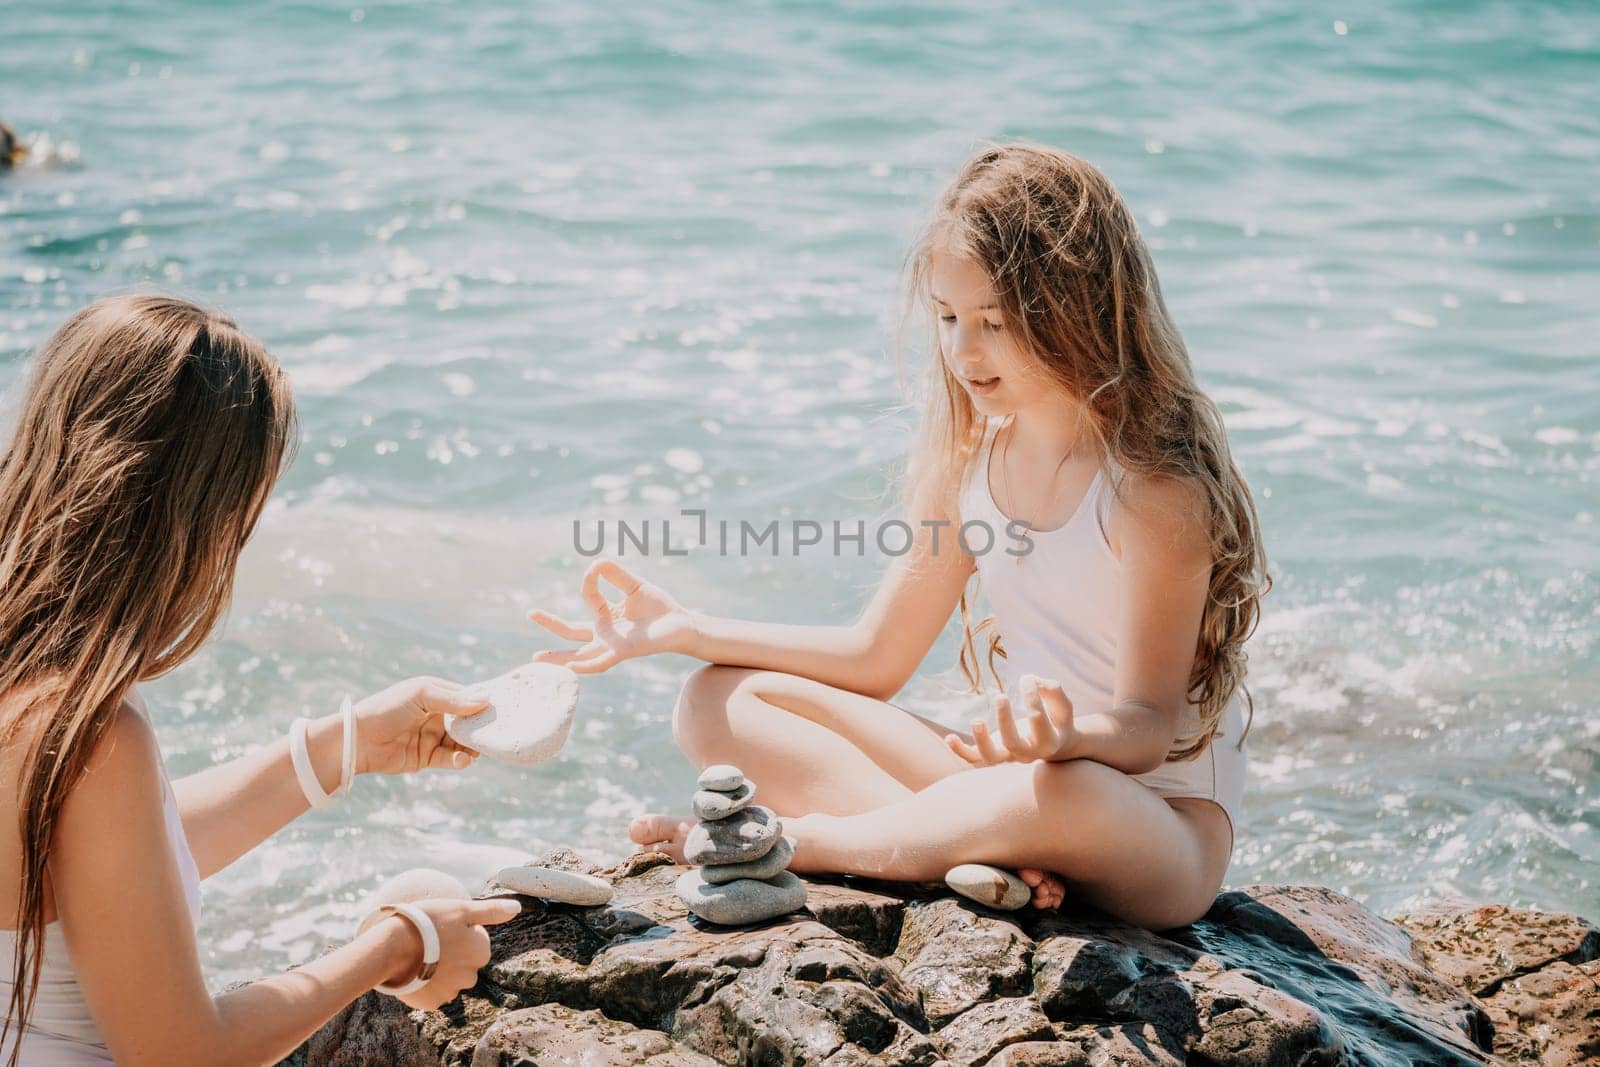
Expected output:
(602, 660)
(1056, 704)
(561, 656)
(611, 571)
(964, 750)
(986, 747)
(446, 758)
(1045, 740)
(1030, 693)
(617, 575)
(1008, 726)
(572, 631)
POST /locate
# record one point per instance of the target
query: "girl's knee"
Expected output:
(702, 702)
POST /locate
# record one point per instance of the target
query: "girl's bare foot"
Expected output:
(661, 833)
(1048, 890)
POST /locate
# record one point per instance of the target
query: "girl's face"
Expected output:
(975, 342)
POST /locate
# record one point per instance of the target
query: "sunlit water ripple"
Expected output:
(529, 262)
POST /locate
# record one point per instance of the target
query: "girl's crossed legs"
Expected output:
(867, 788)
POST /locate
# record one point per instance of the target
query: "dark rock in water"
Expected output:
(746, 836)
(877, 974)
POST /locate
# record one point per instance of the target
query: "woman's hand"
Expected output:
(1049, 734)
(646, 622)
(463, 947)
(401, 729)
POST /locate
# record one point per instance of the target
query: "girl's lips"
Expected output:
(982, 386)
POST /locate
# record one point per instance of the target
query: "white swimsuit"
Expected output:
(61, 1030)
(1057, 612)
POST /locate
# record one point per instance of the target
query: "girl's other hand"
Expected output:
(463, 947)
(647, 621)
(401, 729)
(1048, 734)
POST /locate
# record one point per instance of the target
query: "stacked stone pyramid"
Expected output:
(741, 857)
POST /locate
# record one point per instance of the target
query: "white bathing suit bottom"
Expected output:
(1217, 774)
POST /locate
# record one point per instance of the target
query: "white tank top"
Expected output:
(61, 1030)
(1058, 612)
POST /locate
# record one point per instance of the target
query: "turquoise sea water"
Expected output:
(528, 263)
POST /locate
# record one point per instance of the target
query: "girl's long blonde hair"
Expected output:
(150, 437)
(1078, 290)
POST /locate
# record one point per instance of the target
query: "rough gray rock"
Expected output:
(876, 974)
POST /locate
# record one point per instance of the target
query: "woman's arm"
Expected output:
(119, 898)
(1158, 530)
(874, 656)
(231, 808)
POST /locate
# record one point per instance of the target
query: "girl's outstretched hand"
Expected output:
(647, 621)
(1049, 732)
(401, 729)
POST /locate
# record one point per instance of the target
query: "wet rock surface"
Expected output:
(878, 974)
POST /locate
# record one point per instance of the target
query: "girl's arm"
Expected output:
(231, 808)
(1160, 534)
(874, 656)
(120, 902)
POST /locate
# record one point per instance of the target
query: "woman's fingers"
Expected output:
(492, 911)
(562, 656)
(571, 631)
(439, 697)
(446, 758)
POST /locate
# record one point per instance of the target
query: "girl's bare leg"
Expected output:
(1124, 849)
(811, 748)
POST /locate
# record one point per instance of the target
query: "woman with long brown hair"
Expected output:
(1069, 461)
(149, 440)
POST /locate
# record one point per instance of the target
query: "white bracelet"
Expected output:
(303, 771)
(347, 772)
(430, 949)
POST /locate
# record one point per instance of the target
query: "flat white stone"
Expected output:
(989, 886)
(419, 883)
(721, 778)
(528, 718)
(547, 883)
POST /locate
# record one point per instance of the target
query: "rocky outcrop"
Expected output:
(877, 974)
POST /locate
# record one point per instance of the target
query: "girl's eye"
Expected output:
(995, 325)
(947, 318)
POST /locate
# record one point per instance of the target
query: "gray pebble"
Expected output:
(743, 901)
(746, 836)
(768, 866)
(721, 778)
(711, 806)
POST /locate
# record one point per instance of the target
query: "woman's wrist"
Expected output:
(400, 950)
(325, 746)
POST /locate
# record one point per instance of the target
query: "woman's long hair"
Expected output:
(149, 439)
(1078, 290)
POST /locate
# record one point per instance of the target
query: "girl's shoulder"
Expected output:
(1154, 510)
